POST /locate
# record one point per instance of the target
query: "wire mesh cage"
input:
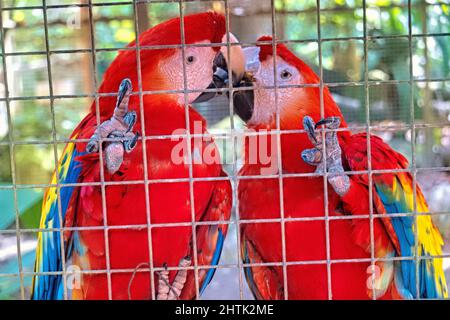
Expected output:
(385, 63)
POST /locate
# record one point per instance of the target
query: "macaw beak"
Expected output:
(243, 100)
(220, 68)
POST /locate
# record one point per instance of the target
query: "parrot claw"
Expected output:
(130, 119)
(119, 126)
(308, 125)
(330, 122)
(336, 173)
(166, 291)
(92, 146)
(131, 143)
(125, 89)
(312, 156)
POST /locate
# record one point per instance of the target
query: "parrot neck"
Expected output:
(262, 150)
(165, 116)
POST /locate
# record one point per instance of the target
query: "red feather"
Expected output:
(168, 201)
(304, 198)
(306, 240)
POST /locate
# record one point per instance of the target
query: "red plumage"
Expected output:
(169, 202)
(303, 199)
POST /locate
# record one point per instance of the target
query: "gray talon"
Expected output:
(336, 177)
(312, 156)
(130, 144)
(125, 89)
(92, 146)
(130, 119)
(308, 124)
(118, 126)
(167, 291)
(330, 122)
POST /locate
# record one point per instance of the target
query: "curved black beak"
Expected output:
(243, 100)
(220, 79)
(243, 64)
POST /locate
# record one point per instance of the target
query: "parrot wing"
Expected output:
(48, 251)
(210, 237)
(393, 194)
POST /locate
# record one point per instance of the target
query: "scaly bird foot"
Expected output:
(119, 127)
(166, 291)
(336, 175)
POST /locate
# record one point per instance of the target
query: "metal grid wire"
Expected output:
(233, 134)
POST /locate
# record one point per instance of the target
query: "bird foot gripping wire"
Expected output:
(119, 128)
(336, 175)
(166, 291)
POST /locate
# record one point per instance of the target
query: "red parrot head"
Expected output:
(164, 65)
(295, 96)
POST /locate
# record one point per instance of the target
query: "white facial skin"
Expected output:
(265, 104)
(199, 72)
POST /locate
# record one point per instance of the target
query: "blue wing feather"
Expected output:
(214, 261)
(48, 254)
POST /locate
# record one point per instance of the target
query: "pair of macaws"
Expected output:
(117, 195)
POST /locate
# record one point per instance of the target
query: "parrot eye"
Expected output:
(190, 59)
(285, 75)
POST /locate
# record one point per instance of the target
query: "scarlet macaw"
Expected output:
(120, 243)
(308, 274)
